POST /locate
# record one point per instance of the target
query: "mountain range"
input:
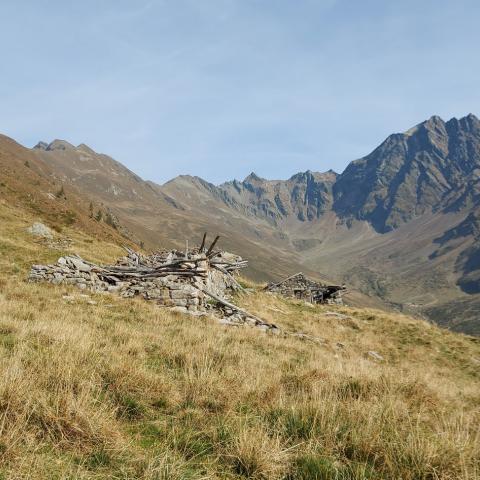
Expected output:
(400, 226)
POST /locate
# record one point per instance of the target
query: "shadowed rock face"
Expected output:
(432, 166)
(305, 196)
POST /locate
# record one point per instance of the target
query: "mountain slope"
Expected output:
(27, 181)
(97, 386)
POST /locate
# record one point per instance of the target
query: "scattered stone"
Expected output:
(264, 328)
(226, 321)
(375, 355)
(56, 243)
(340, 316)
(304, 336)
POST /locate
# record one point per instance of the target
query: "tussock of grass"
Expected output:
(125, 390)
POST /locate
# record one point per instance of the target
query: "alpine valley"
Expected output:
(400, 226)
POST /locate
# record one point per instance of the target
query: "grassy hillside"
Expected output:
(99, 387)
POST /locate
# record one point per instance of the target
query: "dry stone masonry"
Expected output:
(301, 287)
(170, 278)
(192, 282)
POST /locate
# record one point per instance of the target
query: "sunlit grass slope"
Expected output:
(105, 388)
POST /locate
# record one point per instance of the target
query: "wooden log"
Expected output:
(202, 246)
(229, 275)
(222, 301)
(175, 262)
(273, 285)
(212, 246)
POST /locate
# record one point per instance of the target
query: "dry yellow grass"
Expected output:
(121, 389)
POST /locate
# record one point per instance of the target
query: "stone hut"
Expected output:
(180, 280)
(301, 287)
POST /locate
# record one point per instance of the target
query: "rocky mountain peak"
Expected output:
(60, 145)
(433, 124)
(253, 178)
(41, 146)
(470, 123)
(472, 118)
(86, 149)
(308, 176)
(434, 121)
(301, 176)
(425, 169)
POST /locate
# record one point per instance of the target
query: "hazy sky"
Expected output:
(219, 88)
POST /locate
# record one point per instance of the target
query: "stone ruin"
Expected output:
(192, 281)
(301, 287)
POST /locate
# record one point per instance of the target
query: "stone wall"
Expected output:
(183, 290)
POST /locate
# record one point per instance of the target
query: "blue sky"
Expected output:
(220, 88)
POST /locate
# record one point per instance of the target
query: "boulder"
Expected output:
(79, 264)
(40, 230)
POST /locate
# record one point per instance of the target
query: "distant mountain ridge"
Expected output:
(430, 167)
(400, 224)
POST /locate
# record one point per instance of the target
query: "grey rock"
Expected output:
(262, 327)
(340, 316)
(113, 288)
(79, 264)
(375, 355)
(179, 302)
(227, 322)
(179, 294)
(40, 230)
